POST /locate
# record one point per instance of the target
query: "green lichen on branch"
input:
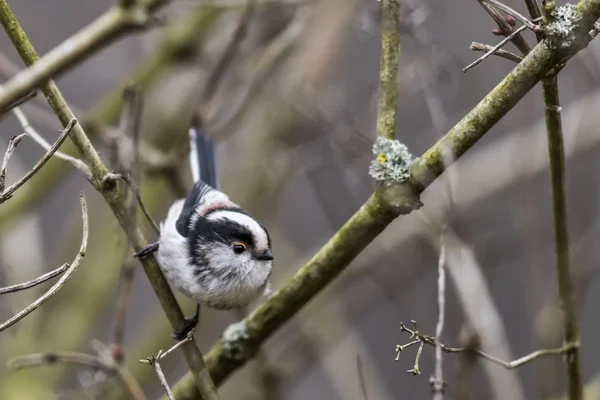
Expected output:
(561, 31)
(234, 339)
(392, 161)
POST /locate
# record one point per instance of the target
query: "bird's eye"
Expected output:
(239, 247)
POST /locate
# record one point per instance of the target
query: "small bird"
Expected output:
(209, 248)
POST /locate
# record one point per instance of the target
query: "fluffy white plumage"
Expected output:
(210, 289)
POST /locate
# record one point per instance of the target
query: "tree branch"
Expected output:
(111, 25)
(388, 69)
(476, 46)
(12, 145)
(240, 342)
(422, 339)
(32, 133)
(36, 281)
(7, 194)
(56, 287)
(87, 360)
(115, 200)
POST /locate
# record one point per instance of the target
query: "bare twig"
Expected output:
(56, 287)
(556, 154)
(504, 28)
(36, 281)
(20, 101)
(534, 9)
(476, 46)
(32, 133)
(12, 145)
(437, 380)
(87, 360)
(561, 234)
(430, 340)
(153, 361)
(503, 7)
(176, 345)
(11, 189)
(496, 47)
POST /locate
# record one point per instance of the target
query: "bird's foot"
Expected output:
(146, 251)
(189, 324)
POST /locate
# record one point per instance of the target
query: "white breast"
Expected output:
(174, 261)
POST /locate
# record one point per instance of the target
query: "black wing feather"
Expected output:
(194, 197)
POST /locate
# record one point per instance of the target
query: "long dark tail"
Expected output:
(202, 156)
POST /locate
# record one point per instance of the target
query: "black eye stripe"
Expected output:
(221, 231)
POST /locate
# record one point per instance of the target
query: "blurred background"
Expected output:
(291, 99)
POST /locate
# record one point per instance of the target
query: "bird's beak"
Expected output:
(266, 255)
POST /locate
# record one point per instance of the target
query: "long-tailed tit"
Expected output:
(209, 248)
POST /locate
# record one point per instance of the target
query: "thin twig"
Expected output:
(87, 360)
(493, 49)
(58, 285)
(476, 46)
(12, 145)
(177, 345)
(437, 380)
(153, 361)
(504, 28)
(52, 358)
(556, 154)
(415, 369)
(561, 234)
(36, 281)
(503, 7)
(12, 188)
(430, 340)
(534, 9)
(32, 133)
(22, 100)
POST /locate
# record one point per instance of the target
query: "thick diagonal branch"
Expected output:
(226, 355)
